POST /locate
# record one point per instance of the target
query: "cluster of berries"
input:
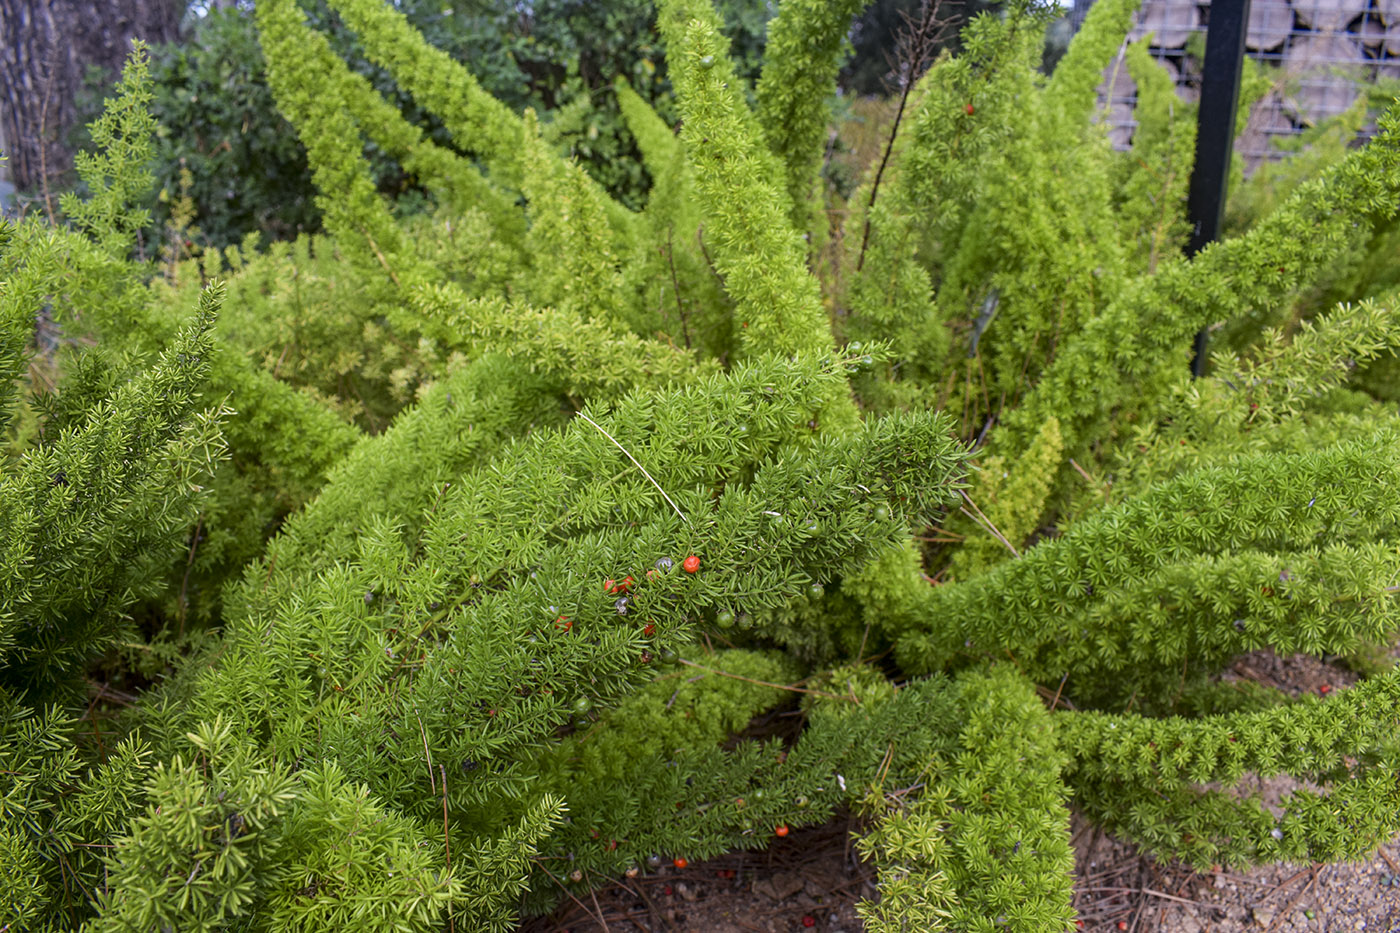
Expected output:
(622, 587)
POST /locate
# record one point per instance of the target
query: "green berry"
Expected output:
(725, 619)
(816, 591)
(582, 705)
(745, 620)
(882, 513)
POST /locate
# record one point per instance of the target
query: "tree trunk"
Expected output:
(45, 46)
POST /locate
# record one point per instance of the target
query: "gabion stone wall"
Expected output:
(1317, 51)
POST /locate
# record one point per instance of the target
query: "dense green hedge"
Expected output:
(425, 572)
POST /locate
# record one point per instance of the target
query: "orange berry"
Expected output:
(691, 564)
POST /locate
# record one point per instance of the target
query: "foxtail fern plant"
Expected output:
(442, 582)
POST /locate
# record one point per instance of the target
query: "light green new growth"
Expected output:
(670, 272)
(1152, 177)
(1112, 584)
(1226, 280)
(586, 358)
(575, 267)
(1006, 503)
(518, 543)
(352, 208)
(799, 76)
(986, 845)
(1073, 88)
(661, 151)
(778, 302)
(115, 173)
(479, 123)
(449, 176)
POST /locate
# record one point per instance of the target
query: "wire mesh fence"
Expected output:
(1319, 55)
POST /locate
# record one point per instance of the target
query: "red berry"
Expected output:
(609, 585)
(691, 564)
(1325, 689)
(782, 830)
(969, 110)
(1079, 924)
(666, 890)
(680, 863)
(649, 630)
(1122, 924)
(626, 584)
(809, 921)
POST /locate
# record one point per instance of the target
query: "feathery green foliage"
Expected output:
(739, 184)
(990, 844)
(804, 43)
(623, 486)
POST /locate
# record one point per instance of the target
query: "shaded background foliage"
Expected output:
(247, 169)
(228, 164)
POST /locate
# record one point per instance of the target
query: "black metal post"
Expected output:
(1215, 133)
